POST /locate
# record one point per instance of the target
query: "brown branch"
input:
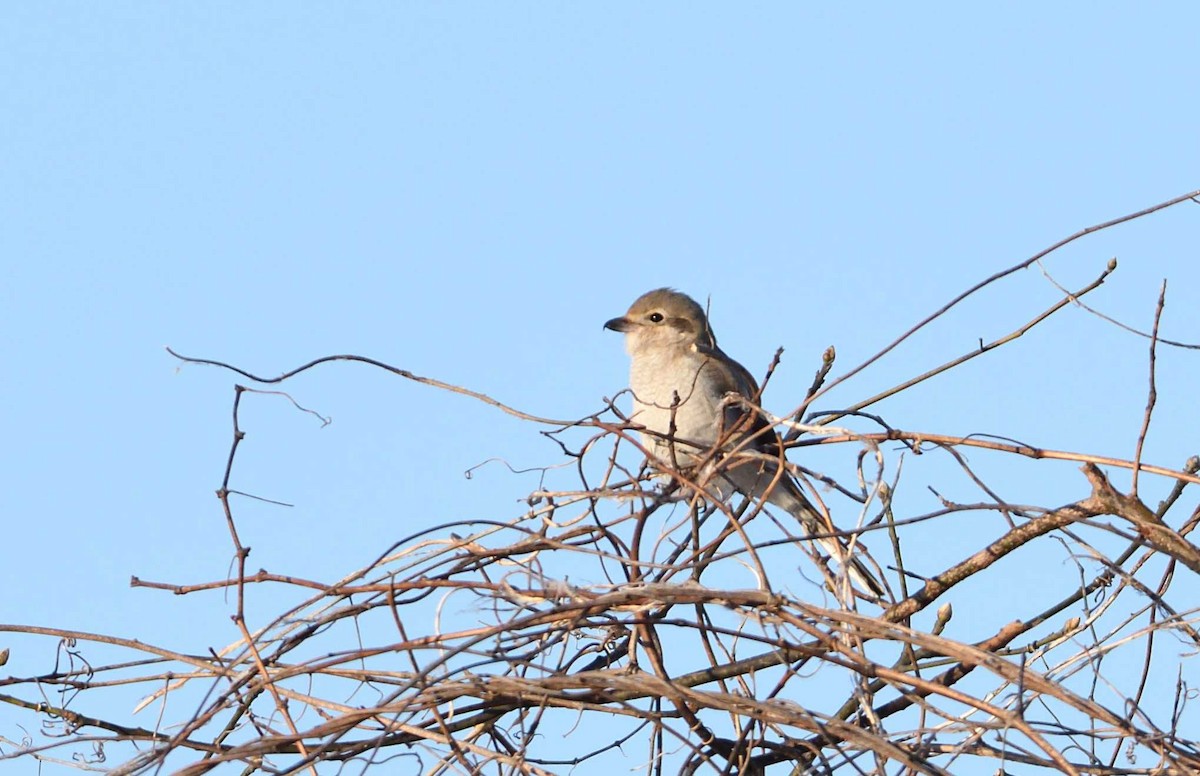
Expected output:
(381, 365)
(1107, 500)
(1026, 451)
(1114, 321)
(1152, 392)
(1005, 273)
(981, 350)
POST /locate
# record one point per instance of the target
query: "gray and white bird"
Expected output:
(690, 396)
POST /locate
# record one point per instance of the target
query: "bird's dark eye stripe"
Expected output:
(656, 317)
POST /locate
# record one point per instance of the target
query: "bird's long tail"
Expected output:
(786, 494)
(858, 571)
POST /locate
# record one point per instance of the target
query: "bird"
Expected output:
(690, 397)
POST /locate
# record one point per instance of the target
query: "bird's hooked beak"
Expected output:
(622, 324)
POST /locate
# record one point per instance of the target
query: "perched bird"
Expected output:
(690, 397)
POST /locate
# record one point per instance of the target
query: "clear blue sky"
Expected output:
(469, 190)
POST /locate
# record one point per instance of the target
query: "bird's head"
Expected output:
(663, 319)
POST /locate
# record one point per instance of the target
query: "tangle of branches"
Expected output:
(621, 619)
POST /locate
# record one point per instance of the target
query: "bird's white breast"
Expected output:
(657, 377)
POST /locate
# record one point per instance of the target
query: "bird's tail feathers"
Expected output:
(855, 567)
(787, 494)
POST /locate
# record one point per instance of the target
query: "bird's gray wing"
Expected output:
(729, 376)
(773, 481)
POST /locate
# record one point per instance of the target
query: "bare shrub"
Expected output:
(622, 620)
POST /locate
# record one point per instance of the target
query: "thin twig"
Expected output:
(1151, 393)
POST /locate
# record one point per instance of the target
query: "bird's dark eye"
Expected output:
(656, 317)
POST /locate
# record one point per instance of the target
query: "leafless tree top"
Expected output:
(625, 618)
